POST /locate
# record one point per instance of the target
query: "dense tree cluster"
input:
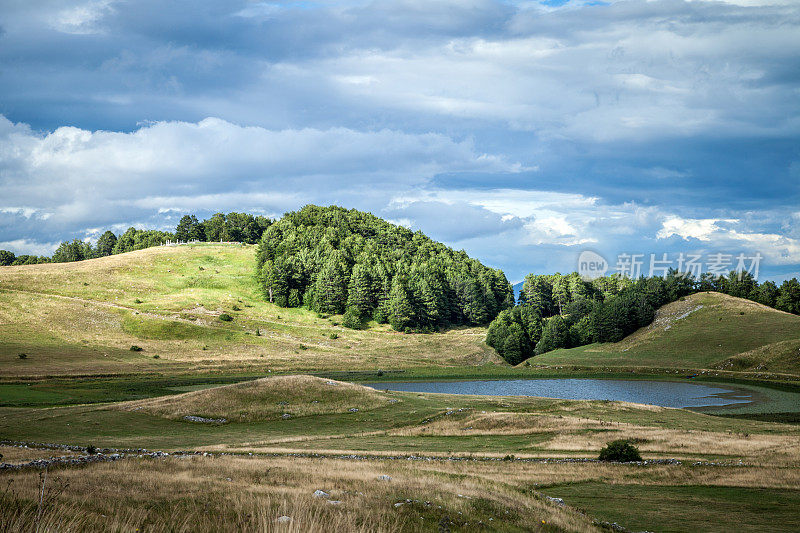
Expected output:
(233, 227)
(334, 260)
(557, 311)
(9, 259)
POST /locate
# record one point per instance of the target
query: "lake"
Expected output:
(663, 393)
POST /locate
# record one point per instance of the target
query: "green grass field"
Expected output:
(678, 508)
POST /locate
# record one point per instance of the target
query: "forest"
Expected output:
(333, 260)
(565, 311)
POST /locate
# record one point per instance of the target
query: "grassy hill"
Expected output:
(704, 330)
(264, 399)
(83, 318)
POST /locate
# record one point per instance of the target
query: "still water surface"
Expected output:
(663, 393)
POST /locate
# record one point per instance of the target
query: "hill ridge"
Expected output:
(702, 330)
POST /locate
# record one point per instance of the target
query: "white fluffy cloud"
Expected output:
(77, 178)
(729, 235)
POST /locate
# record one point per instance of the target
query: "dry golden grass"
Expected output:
(265, 399)
(573, 434)
(540, 475)
(16, 454)
(249, 494)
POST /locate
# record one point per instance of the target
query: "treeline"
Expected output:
(237, 227)
(558, 311)
(333, 260)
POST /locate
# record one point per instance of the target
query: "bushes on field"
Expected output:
(620, 451)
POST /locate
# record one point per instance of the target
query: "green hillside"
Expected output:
(83, 318)
(704, 330)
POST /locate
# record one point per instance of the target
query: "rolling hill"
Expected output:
(704, 330)
(83, 318)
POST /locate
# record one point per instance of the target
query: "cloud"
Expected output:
(701, 229)
(450, 221)
(81, 19)
(75, 179)
(518, 130)
(724, 235)
(29, 247)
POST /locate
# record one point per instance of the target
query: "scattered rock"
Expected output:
(353, 409)
(284, 519)
(384, 477)
(286, 416)
(192, 418)
(335, 502)
(557, 501)
(321, 494)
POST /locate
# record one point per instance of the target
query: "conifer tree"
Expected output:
(401, 311)
(360, 297)
(331, 286)
(105, 244)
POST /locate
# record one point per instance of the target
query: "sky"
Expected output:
(522, 132)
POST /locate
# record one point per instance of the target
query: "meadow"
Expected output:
(270, 434)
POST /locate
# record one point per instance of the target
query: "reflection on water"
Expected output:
(663, 393)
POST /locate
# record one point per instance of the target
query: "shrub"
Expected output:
(135, 348)
(303, 347)
(156, 356)
(352, 319)
(621, 451)
(23, 356)
(91, 449)
(225, 317)
(137, 301)
(237, 308)
(334, 335)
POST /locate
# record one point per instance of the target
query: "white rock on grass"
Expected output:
(321, 494)
(384, 477)
(284, 519)
(557, 501)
